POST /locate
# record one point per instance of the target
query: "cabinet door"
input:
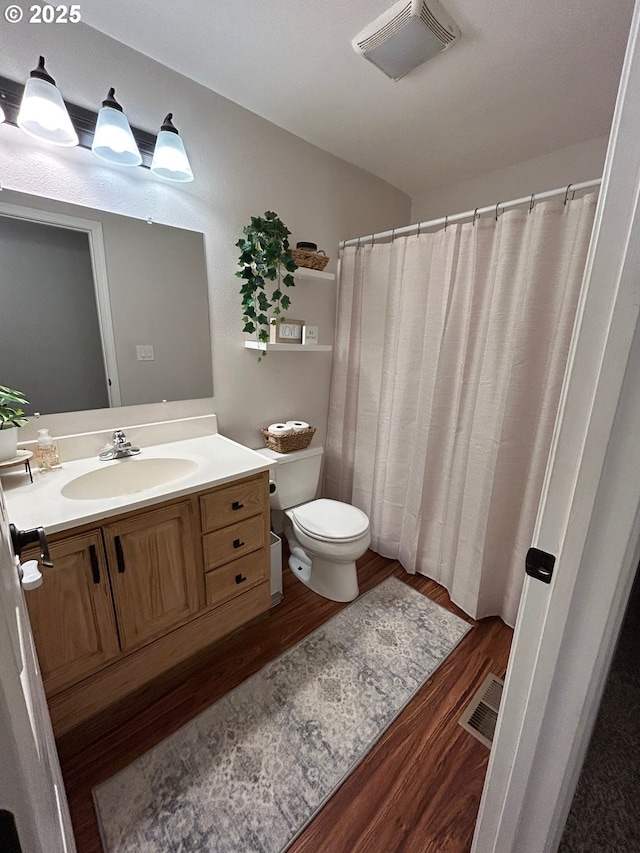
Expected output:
(71, 614)
(154, 574)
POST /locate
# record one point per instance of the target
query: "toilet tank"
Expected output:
(295, 474)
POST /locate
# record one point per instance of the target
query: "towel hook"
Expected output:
(532, 202)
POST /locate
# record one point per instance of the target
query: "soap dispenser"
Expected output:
(47, 455)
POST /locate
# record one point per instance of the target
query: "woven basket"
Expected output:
(287, 443)
(310, 260)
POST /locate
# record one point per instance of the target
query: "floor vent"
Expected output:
(481, 714)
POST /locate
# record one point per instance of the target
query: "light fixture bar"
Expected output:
(83, 120)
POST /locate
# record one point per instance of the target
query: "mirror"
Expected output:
(99, 309)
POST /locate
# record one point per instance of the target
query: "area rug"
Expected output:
(249, 773)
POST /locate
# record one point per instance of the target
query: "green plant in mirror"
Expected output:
(264, 254)
(10, 416)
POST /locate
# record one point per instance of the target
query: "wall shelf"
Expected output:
(287, 347)
(304, 272)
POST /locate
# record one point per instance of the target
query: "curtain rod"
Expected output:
(457, 217)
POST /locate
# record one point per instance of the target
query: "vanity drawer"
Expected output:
(234, 541)
(233, 503)
(234, 578)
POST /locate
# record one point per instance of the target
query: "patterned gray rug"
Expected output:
(250, 772)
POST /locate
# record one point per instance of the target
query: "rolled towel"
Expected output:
(296, 426)
(280, 429)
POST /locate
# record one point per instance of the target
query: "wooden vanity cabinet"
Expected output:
(154, 572)
(146, 590)
(71, 615)
(113, 589)
(235, 526)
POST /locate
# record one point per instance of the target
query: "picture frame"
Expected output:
(286, 331)
(309, 335)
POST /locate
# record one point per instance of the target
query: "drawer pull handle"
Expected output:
(119, 555)
(240, 579)
(238, 543)
(95, 568)
(237, 505)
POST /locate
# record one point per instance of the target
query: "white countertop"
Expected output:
(41, 504)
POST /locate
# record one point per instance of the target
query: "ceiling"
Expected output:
(527, 76)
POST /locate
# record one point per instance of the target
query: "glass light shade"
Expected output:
(170, 160)
(43, 114)
(113, 140)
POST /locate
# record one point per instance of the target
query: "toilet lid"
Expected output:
(326, 519)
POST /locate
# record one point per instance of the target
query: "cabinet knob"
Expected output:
(238, 543)
(237, 505)
(240, 578)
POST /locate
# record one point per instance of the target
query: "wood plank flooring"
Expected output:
(417, 791)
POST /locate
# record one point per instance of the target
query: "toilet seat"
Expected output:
(330, 520)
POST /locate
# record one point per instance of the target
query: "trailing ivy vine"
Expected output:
(264, 254)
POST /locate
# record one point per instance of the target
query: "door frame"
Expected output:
(93, 229)
(589, 518)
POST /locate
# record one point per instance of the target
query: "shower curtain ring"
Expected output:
(393, 234)
(373, 237)
(419, 226)
(497, 206)
(475, 216)
(446, 221)
(358, 244)
(532, 202)
(566, 195)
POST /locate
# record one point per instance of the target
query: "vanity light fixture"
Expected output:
(38, 109)
(113, 140)
(43, 113)
(170, 160)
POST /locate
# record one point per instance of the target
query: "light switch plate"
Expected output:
(144, 352)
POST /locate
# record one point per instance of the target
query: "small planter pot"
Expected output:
(8, 443)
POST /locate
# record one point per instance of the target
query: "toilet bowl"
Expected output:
(325, 537)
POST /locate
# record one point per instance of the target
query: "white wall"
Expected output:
(568, 165)
(243, 166)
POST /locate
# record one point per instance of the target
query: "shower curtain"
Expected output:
(448, 363)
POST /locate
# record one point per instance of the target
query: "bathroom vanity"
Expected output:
(143, 580)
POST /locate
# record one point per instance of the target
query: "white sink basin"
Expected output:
(127, 477)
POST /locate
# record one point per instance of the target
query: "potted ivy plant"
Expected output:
(264, 255)
(11, 417)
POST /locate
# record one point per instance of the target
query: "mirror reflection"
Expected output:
(98, 309)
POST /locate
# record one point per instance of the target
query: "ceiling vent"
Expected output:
(405, 36)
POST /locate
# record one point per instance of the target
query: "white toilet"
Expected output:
(325, 537)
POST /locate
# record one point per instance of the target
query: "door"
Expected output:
(72, 616)
(154, 574)
(588, 519)
(31, 785)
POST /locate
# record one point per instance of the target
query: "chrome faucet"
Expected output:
(119, 447)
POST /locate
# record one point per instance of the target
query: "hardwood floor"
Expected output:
(418, 789)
